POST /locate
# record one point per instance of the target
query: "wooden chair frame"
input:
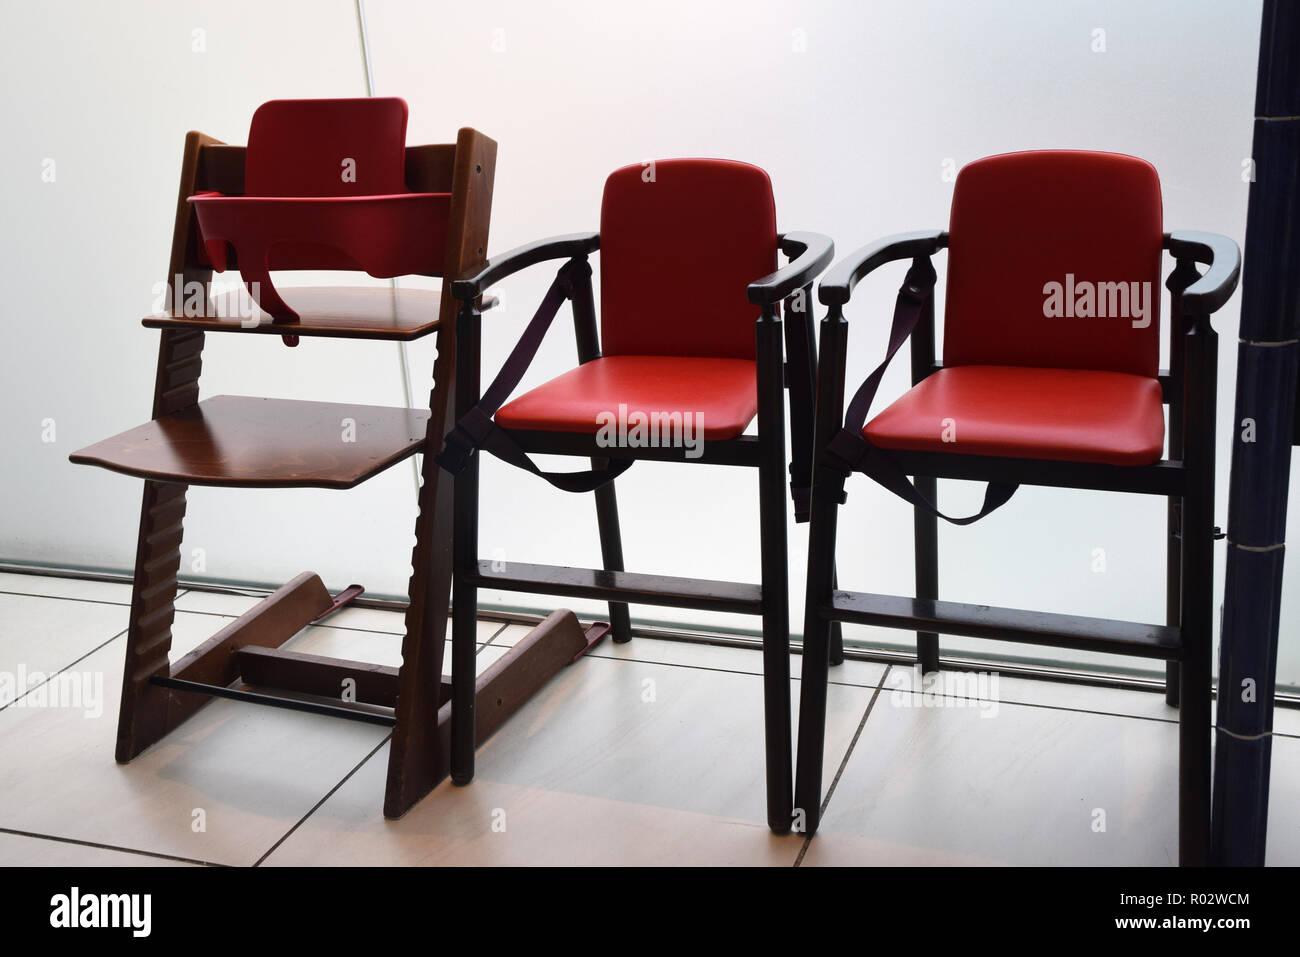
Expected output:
(1186, 478)
(158, 696)
(810, 254)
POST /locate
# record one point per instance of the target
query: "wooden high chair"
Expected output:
(1049, 377)
(322, 184)
(691, 333)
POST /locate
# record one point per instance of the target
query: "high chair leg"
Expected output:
(1173, 593)
(775, 575)
(143, 717)
(464, 626)
(1195, 722)
(926, 531)
(837, 631)
(611, 552)
(816, 652)
(1195, 686)
(465, 547)
(417, 760)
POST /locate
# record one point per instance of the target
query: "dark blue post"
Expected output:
(1263, 431)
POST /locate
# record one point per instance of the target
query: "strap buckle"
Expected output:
(464, 440)
(918, 284)
(457, 448)
(845, 452)
(566, 275)
(914, 293)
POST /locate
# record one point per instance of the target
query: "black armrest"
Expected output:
(838, 285)
(810, 253)
(1221, 254)
(499, 267)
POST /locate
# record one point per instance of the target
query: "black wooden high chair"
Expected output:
(690, 337)
(1049, 377)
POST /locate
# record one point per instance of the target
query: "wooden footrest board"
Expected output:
(249, 442)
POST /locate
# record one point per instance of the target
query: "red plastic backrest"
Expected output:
(679, 242)
(302, 148)
(1023, 220)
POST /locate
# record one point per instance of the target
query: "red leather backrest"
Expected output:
(1021, 221)
(302, 148)
(679, 242)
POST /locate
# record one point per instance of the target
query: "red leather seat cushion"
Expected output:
(720, 394)
(1023, 220)
(1072, 415)
(677, 253)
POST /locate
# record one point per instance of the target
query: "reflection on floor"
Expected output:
(645, 753)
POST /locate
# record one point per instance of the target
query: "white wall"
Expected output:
(854, 109)
(108, 91)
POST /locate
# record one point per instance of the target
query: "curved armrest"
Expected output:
(530, 254)
(810, 253)
(1221, 254)
(838, 285)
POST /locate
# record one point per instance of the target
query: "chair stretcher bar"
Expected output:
(1006, 624)
(501, 690)
(275, 701)
(644, 589)
(1166, 477)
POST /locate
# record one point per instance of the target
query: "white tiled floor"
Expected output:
(645, 753)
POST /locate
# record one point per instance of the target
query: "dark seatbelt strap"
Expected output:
(849, 451)
(477, 430)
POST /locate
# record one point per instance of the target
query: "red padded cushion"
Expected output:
(299, 211)
(386, 236)
(1072, 415)
(676, 255)
(721, 395)
(1022, 220)
(297, 147)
